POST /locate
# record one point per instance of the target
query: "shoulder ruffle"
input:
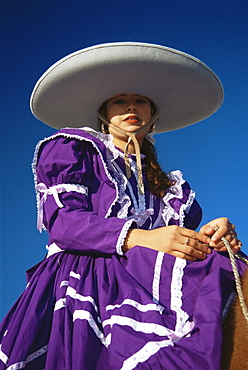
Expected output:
(177, 200)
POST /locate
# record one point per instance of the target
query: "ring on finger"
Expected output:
(187, 241)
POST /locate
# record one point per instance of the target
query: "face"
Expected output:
(129, 112)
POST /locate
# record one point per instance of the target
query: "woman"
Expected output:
(127, 282)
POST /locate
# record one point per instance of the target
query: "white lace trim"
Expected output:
(141, 204)
(122, 237)
(156, 280)
(71, 292)
(176, 191)
(149, 349)
(186, 207)
(144, 327)
(140, 217)
(106, 139)
(22, 364)
(183, 326)
(124, 200)
(130, 302)
(139, 211)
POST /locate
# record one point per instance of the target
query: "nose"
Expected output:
(131, 107)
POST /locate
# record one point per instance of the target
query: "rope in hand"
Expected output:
(236, 274)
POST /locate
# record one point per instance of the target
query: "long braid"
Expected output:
(158, 181)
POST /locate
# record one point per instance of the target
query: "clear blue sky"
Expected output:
(212, 154)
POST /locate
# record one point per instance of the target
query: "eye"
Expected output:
(141, 101)
(119, 101)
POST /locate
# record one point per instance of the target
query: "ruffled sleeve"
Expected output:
(70, 180)
(180, 205)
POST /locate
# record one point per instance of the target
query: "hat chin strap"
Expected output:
(132, 137)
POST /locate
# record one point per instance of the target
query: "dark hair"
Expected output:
(158, 181)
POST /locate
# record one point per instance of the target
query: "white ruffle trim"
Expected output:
(176, 191)
(124, 199)
(122, 237)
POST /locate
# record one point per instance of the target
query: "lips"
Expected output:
(132, 119)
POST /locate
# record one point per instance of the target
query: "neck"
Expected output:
(120, 143)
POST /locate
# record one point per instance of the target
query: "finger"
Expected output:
(235, 245)
(195, 249)
(236, 248)
(194, 253)
(231, 237)
(183, 256)
(219, 233)
(207, 230)
(201, 247)
(195, 236)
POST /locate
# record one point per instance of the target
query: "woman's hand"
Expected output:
(218, 228)
(174, 240)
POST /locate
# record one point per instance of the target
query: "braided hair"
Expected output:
(158, 181)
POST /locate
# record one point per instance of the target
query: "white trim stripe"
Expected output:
(3, 357)
(145, 353)
(71, 292)
(143, 327)
(64, 283)
(33, 356)
(61, 303)
(156, 277)
(140, 307)
(85, 315)
(74, 275)
(182, 323)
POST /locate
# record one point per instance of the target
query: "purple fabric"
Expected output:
(88, 307)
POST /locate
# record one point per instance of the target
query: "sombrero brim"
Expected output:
(69, 93)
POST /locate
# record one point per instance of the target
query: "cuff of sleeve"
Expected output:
(122, 236)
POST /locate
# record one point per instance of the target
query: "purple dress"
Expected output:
(87, 305)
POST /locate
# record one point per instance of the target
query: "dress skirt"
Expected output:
(147, 310)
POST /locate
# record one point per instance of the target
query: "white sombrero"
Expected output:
(69, 93)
